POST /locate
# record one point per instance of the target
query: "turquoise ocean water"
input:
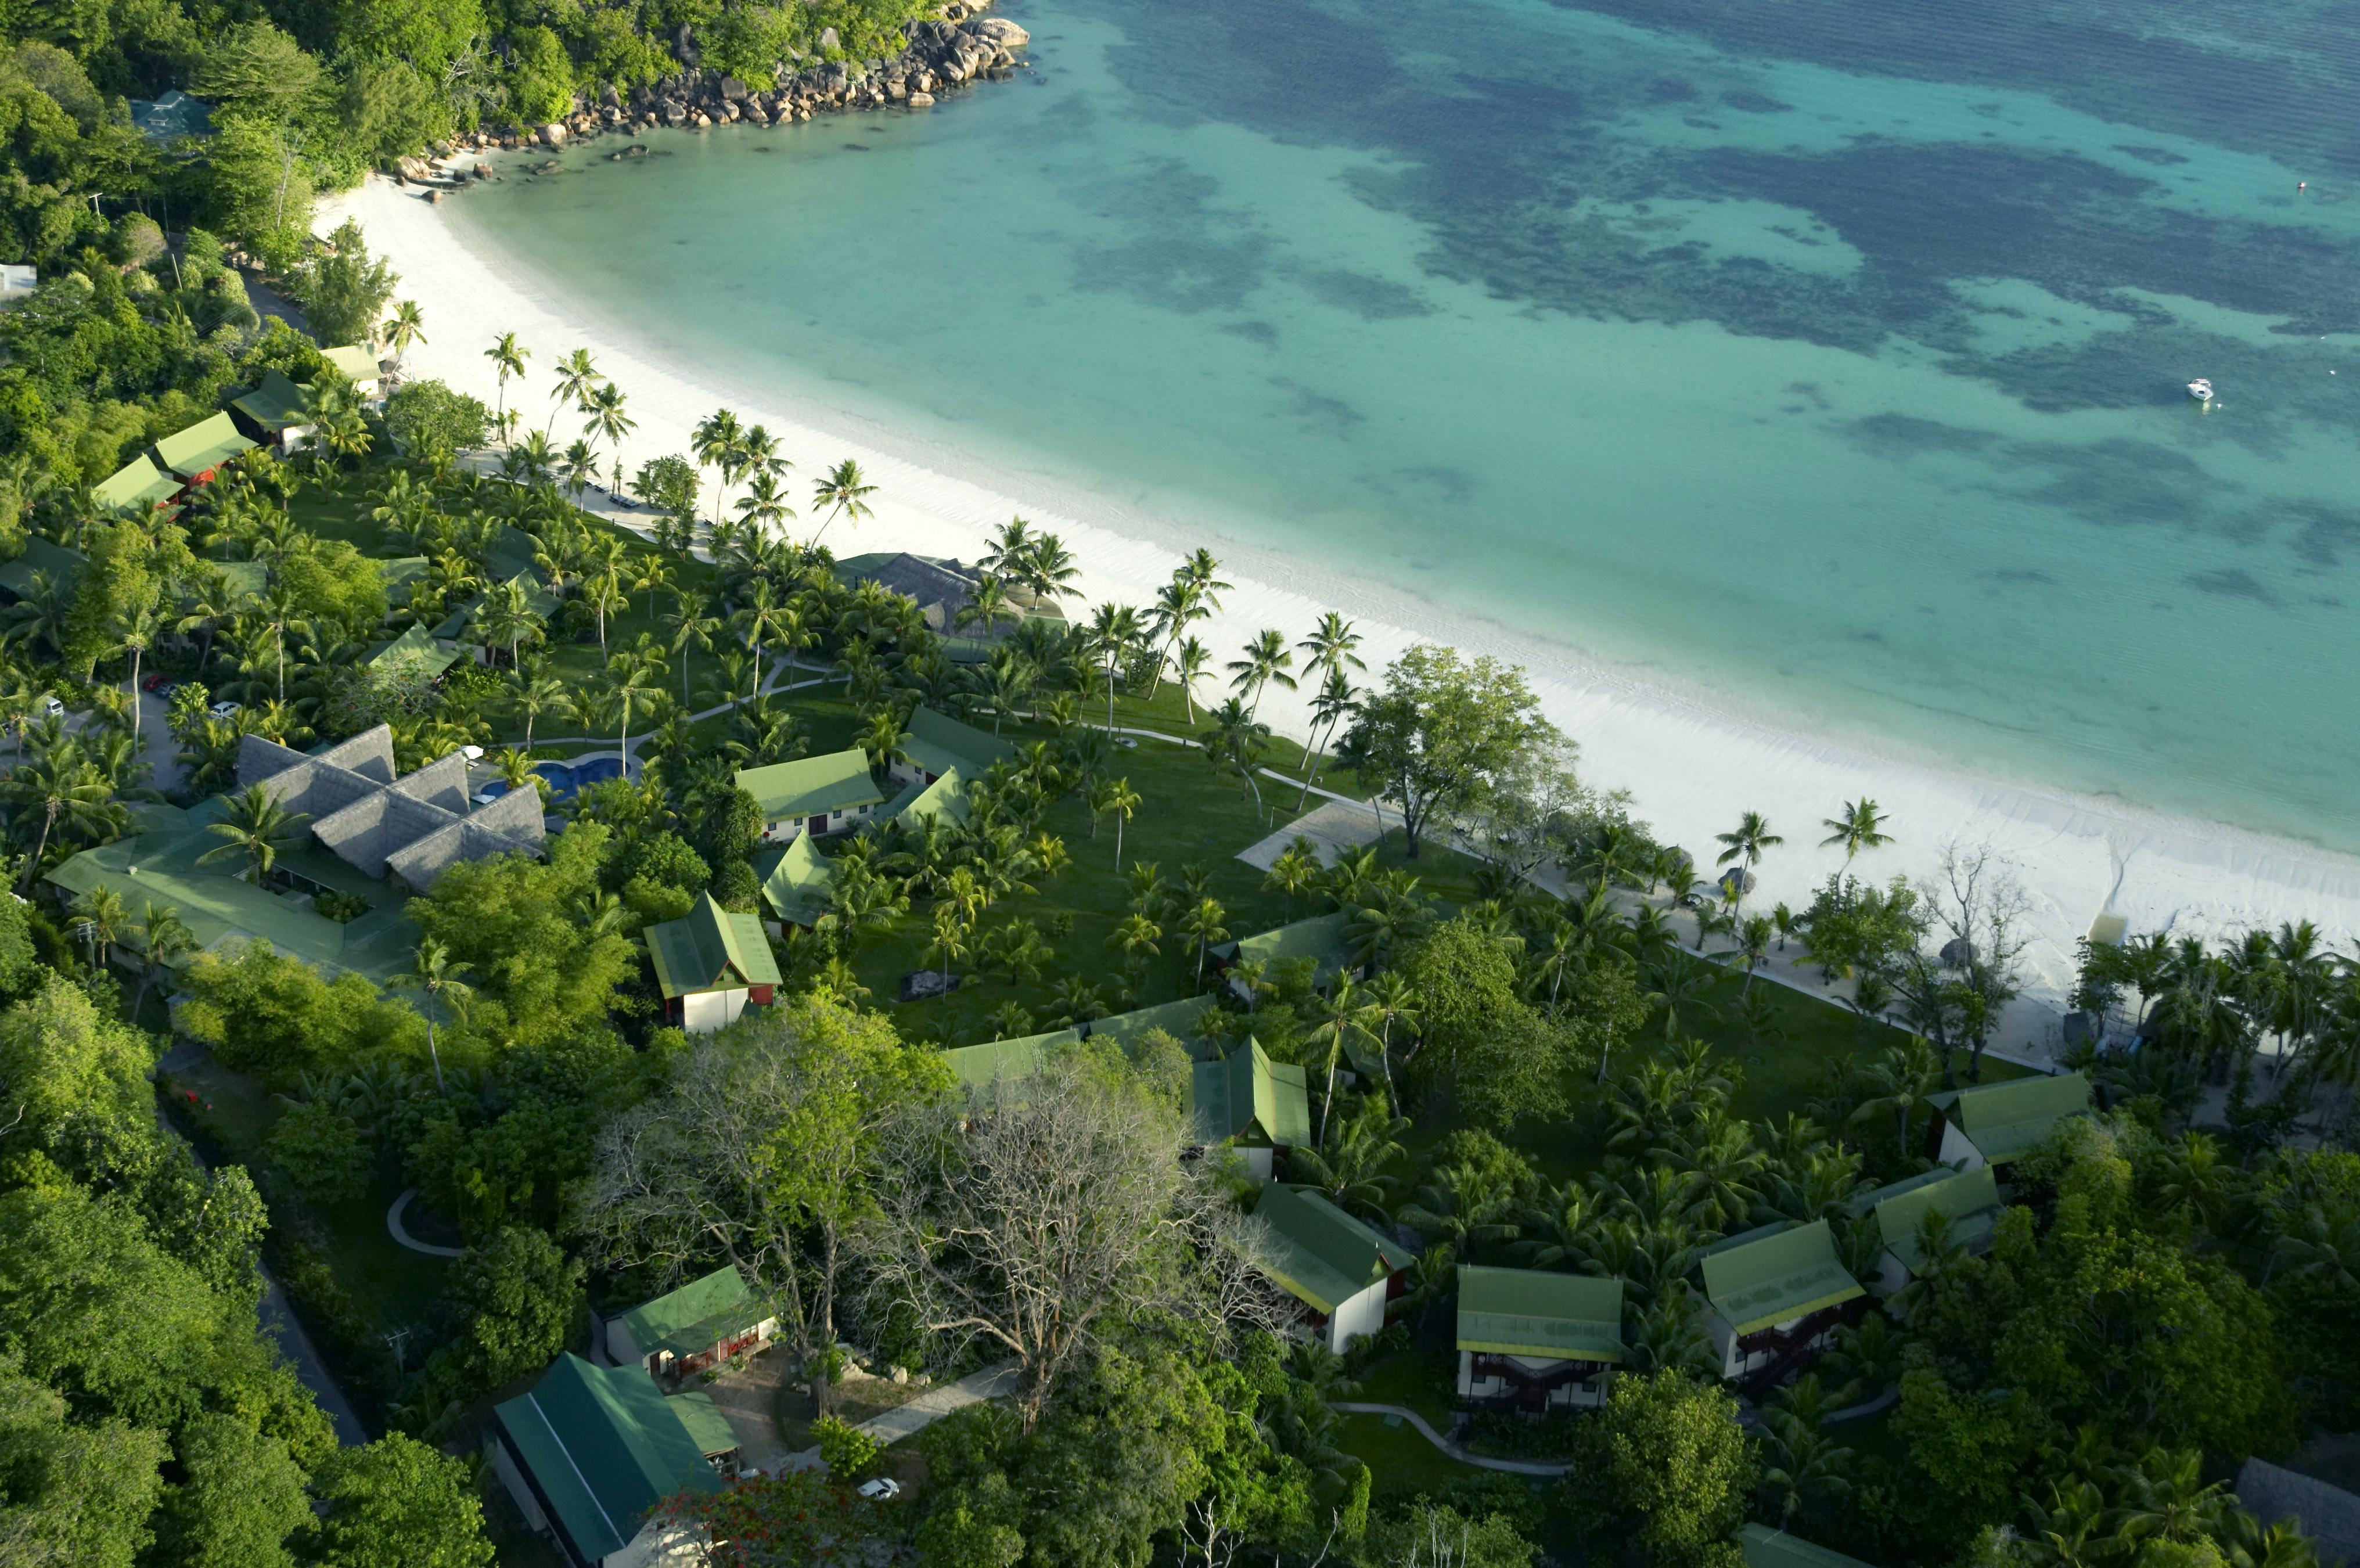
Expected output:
(1823, 357)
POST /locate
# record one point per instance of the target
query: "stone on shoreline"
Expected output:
(1000, 31)
(553, 135)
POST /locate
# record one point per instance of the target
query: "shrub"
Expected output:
(847, 1451)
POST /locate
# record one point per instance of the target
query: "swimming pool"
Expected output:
(565, 779)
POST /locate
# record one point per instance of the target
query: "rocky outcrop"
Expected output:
(952, 48)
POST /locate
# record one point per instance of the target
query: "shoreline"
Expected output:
(1690, 767)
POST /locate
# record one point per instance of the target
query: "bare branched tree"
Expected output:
(1978, 912)
(1057, 1209)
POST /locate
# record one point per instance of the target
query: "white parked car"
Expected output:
(473, 753)
(884, 1489)
(52, 708)
(224, 709)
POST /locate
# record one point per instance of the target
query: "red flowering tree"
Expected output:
(775, 1521)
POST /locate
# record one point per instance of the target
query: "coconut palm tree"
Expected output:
(763, 616)
(608, 422)
(764, 505)
(1191, 662)
(257, 825)
(405, 326)
(1392, 1003)
(884, 741)
(508, 357)
(1119, 800)
(137, 626)
(1048, 569)
(628, 686)
(1336, 1019)
(1350, 1166)
(844, 491)
(1202, 926)
(1114, 631)
(575, 376)
(1751, 836)
(1336, 703)
(1236, 740)
(1860, 826)
(101, 917)
(434, 972)
(165, 938)
(1265, 659)
(713, 444)
(1330, 647)
(1006, 556)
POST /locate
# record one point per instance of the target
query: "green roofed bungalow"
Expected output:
(173, 114)
(813, 794)
(943, 800)
(1776, 1294)
(1766, 1548)
(796, 884)
(1536, 1341)
(415, 650)
(939, 744)
(713, 963)
(1129, 1031)
(589, 1452)
(193, 454)
(275, 411)
(1252, 1103)
(687, 1331)
(1342, 1271)
(1966, 1201)
(356, 365)
(137, 486)
(984, 1066)
(402, 575)
(1991, 1124)
(40, 557)
(1319, 940)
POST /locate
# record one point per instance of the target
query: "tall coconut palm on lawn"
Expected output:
(1340, 1017)
(508, 357)
(630, 684)
(1860, 826)
(1048, 569)
(713, 444)
(1179, 604)
(1236, 740)
(434, 972)
(607, 422)
(845, 492)
(1751, 837)
(1336, 702)
(764, 506)
(762, 617)
(257, 825)
(1330, 647)
(505, 616)
(1191, 662)
(1114, 630)
(405, 326)
(136, 626)
(575, 376)
(1117, 798)
(1265, 659)
(691, 627)
(1009, 550)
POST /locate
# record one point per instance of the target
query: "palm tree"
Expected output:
(1179, 604)
(764, 505)
(884, 741)
(715, 444)
(762, 616)
(575, 377)
(1337, 1018)
(627, 687)
(434, 972)
(1860, 827)
(1137, 936)
(101, 916)
(1116, 797)
(1330, 646)
(845, 492)
(508, 357)
(1391, 1001)
(136, 627)
(1349, 1167)
(1048, 570)
(606, 420)
(1266, 660)
(691, 627)
(1237, 739)
(1114, 630)
(1747, 843)
(1202, 925)
(1009, 550)
(1190, 662)
(1335, 703)
(405, 326)
(257, 825)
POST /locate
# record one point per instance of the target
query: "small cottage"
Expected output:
(1319, 940)
(1251, 1105)
(833, 794)
(797, 883)
(704, 1322)
(711, 964)
(1995, 1123)
(1776, 1294)
(589, 1452)
(1966, 1203)
(1536, 1341)
(1341, 1270)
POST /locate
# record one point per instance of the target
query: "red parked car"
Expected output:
(152, 682)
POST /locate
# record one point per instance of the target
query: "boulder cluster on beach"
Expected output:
(954, 47)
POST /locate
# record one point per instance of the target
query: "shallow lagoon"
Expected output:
(1823, 361)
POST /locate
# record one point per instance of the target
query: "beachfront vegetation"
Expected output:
(1535, 1037)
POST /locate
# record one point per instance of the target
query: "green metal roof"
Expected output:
(1773, 1279)
(942, 737)
(461, 622)
(1524, 1311)
(353, 364)
(2011, 1118)
(218, 908)
(809, 785)
(1768, 1548)
(242, 580)
(1320, 939)
(402, 574)
(1970, 1198)
(797, 882)
(1251, 1100)
(651, 1324)
(40, 555)
(710, 949)
(1006, 1061)
(1177, 1019)
(707, 1427)
(946, 798)
(173, 114)
(1865, 1202)
(274, 405)
(604, 1447)
(202, 447)
(138, 483)
(414, 647)
(1318, 1254)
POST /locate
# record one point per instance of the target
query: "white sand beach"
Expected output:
(1690, 770)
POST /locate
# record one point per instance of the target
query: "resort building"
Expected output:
(193, 455)
(589, 1452)
(1763, 1547)
(137, 486)
(357, 366)
(813, 794)
(710, 964)
(699, 1325)
(1776, 1294)
(414, 651)
(941, 587)
(1341, 1270)
(408, 830)
(40, 558)
(1964, 1204)
(939, 744)
(1251, 1105)
(998, 1062)
(1536, 1341)
(1178, 1019)
(273, 414)
(796, 884)
(1320, 940)
(1993, 1124)
(943, 798)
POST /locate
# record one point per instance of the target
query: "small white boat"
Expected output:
(2201, 390)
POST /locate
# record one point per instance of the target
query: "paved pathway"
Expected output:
(1333, 827)
(400, 1235)
(991, 1383)
(1512, 1466)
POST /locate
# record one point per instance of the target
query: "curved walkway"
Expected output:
(393, 1224)
(1512, 1466)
